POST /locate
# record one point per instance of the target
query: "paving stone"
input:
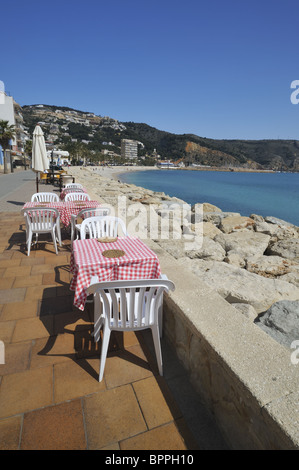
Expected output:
(17, 357)
(33, 328)
(6, 330)
(126, 366)
(18, 310)
(57, 427)
(28, 281)
(25, 391)
(10, 430)
(12, 295)
(157, 405)
(165, 437)
(111, 416)
(77, 379)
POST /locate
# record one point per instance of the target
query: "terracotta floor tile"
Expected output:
(72, 321)
(12, 295)
(6, 330)
(59, 260)
(28, 281)
(57, 427)
(10, 430)
(126, 366)
(7, 282)
(41, 269)
(111, 416)
(17, 310)
(9, 263)
(33, 328)
(40, 292)
(26, 391)
(15, 271)
(156, 402)
(164, 437)
(76, 379)
(17, 358)
(32, 261)
(55, 305)
(52, 350)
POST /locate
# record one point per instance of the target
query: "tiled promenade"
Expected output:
(50, 397)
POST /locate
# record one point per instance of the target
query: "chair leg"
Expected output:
(28, 241)
(106, 338)
(157, 344)
(59, 233)
(54, 240)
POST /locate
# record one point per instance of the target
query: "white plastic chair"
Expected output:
(42, 221)
(77, 196)
(74, 186)
(84, 214)
(99, 227)
(128, 306)
(44, 197)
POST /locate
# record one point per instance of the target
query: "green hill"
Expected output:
(65, 125)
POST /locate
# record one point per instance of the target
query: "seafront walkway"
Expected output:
(50, 397)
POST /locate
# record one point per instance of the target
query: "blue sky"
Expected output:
(217, 68)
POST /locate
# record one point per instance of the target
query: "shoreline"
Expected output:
(116, 171)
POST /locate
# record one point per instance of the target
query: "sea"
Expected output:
(265, 194)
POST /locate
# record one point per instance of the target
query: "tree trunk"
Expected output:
(6, 160)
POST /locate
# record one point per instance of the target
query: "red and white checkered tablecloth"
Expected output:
(139, 262)
(66, 209)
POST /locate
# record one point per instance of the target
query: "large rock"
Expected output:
(268, 265)
(281, 321)
(235, 222)
(237, 285)
(287, 248)
(244, 243)
(208, 249)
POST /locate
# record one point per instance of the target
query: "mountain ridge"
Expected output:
(63, 125)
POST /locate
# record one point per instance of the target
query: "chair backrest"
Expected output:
(131, 305)
(96, 212)
(45, 197)
(41, 219)
(77, 196)
(74, 185)
(99, 227)
(73, 190)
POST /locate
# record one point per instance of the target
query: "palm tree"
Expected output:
(7, 132)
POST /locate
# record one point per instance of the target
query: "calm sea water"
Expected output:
(266, 194)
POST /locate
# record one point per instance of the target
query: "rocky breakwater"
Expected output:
(252, 262)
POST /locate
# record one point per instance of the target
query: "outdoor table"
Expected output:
(66, 209)
(66, 191)
(88, 260)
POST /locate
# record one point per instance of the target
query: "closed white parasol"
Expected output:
(40, 161)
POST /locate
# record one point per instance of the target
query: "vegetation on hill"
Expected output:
(103, 133)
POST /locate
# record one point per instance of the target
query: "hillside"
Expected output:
(66, 127)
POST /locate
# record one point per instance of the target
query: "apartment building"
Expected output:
(129, 149)
(12, 112)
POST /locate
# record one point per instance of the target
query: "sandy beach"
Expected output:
(113, 172)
